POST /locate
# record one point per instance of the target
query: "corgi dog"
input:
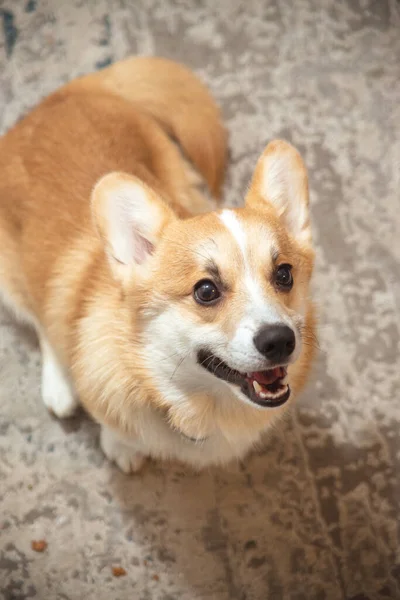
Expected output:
(183, 328)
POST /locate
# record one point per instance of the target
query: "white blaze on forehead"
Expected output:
(259, 309)
(232, 223)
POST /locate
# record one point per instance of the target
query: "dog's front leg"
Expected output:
(117, 449)
(57, 389)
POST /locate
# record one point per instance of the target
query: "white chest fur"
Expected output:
(156, 438)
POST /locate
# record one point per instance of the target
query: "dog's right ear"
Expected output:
(130, 218)
(280, 179)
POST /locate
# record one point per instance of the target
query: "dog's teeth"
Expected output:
(257, 387)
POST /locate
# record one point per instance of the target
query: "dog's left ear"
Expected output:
(280, 178)
(130, 219)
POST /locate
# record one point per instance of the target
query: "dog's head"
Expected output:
(221, 299)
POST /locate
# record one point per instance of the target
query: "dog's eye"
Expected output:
(205, 292)
(284, 277)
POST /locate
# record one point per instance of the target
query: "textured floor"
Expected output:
(316, 514)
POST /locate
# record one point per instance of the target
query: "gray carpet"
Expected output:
(315, 514)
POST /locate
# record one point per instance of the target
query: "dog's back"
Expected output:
(177, 100)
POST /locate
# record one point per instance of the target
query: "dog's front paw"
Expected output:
(57, 393)
(126, 457)
(57, 390)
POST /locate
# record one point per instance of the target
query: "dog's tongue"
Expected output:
(267, 377)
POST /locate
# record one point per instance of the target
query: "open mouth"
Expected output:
(265, 388)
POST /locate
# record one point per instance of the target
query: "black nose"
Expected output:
(275, 342)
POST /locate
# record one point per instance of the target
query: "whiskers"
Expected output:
(206, 362)
(309, 338)
(209, 360)
(178, 365)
